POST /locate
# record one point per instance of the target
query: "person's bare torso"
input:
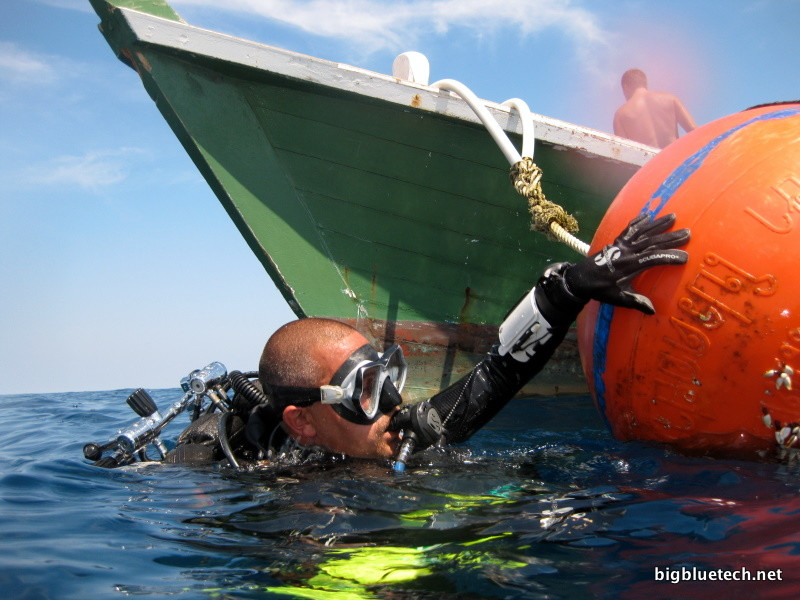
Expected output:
(648, 117)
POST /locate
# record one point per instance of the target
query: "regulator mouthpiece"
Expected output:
(421, 426)
(406, 448)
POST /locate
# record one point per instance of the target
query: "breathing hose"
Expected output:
(247, 395)
(222, 433)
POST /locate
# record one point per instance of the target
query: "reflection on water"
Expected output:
(541, 504)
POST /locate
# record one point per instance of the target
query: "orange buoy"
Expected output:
(718, 366)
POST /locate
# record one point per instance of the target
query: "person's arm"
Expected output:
(536, 326)
(528, 337)
(619, 129)
(684, 118)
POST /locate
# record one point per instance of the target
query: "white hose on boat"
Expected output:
(505, 145)
(497, 133)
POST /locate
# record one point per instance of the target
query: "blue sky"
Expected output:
(116, 260)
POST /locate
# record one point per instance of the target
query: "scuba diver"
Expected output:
(325, 387)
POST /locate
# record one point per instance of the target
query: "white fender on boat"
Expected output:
(413, 67)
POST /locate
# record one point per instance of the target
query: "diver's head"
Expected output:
(333, 389)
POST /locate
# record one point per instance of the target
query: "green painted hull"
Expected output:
(368, 200)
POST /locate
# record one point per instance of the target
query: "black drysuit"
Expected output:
(464, 407)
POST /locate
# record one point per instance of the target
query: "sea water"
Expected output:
(542, 503)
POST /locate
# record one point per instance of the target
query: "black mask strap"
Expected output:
(284, 395)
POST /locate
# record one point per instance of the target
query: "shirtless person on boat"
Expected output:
(651, 118)
(329, 389)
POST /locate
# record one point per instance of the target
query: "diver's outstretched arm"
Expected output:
(538, 323)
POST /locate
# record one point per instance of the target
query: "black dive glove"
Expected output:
(607, 275)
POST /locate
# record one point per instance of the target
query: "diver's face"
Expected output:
(362, 441)
(337, 433)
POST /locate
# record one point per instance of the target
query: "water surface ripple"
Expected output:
(543, 503)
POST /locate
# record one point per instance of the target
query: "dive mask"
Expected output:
(367, 384)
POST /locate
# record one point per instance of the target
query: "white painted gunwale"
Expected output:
(183, 38)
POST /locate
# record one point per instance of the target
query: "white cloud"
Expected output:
(19, 65)
(92, 171)
(79, 5)
(380, 25)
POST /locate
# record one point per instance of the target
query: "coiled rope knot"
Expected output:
(527, 180)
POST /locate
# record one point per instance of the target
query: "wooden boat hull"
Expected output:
(369, 200)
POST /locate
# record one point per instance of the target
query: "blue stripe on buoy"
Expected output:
(658, 201)
(602, 329)
(672, 183)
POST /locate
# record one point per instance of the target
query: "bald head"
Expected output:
(301, 352)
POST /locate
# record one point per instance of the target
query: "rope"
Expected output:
(546, 217)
